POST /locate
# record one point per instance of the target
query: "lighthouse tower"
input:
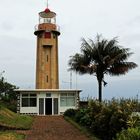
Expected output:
(47, 98)
(47, 33)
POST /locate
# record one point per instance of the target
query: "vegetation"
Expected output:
(101, 57)
(106, 119)
(11, 120)
(11, 136)
(81, 128)
(133, 131)
(7, 94)
(129, 134)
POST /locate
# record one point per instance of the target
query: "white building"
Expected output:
(46, 101)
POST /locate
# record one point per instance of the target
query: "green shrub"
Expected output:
(129, 134)
(100, 126)
(105, 119)
(95, 107)
(111, 117)
(70, 113)
(133, 121)
(83, 117)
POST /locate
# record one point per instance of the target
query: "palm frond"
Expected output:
(107, 55)
(121, 68)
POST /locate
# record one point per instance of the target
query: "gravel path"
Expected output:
(53, 128)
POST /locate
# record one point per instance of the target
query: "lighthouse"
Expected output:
(47, 33)
(47, 98)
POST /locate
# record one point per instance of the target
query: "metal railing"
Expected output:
(37, 28)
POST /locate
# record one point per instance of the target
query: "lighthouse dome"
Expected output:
(47, 13)
(47, 10)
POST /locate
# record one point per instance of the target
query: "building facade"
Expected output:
(47, 101)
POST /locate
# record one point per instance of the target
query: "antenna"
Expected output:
(70, 79)
(47, 3)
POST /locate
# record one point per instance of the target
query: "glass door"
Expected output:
(41, 106)
(55, 106)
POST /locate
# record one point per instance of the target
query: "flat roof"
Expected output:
(47, 90)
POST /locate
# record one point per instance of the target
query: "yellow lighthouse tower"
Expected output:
(47, 33)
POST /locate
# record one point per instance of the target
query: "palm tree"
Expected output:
(101, 57)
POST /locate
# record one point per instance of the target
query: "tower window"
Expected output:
(47, 35)
(47, 79)
(46, 46)
(47, 58)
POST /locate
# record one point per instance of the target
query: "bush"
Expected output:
(10, 105)
(70, 113)
(129, 134)
(83, 117)
(101, 124)
(105, 119)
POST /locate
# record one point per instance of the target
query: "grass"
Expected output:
(11, 120)
(11, 136)
(81, 128)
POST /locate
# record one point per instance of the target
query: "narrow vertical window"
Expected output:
(47, 79)
(47, 58)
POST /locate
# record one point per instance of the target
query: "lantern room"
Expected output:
(47, 16)
(47, 22)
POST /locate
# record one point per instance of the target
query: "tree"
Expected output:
(7, 90)
(101, 57)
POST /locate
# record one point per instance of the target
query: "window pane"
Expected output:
(63, 94)
(70, 101)
(25, 95)
(70, 94)
(32, 95)
(25, 102)
(48, 94)
(63, 101)
(32, 102)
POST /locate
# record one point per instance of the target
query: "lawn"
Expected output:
(11, 136)
(11, 120)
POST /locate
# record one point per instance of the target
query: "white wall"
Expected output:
(35, 110)
(28, 110)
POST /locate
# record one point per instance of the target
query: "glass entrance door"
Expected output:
(41, 106)
(55, 106)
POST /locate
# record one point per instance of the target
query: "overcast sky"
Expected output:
(77, 19)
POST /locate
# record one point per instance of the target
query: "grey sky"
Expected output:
(80, 18)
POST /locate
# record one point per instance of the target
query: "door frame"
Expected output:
(44, 99)
(51, 106)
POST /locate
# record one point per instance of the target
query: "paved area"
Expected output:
(53, 128)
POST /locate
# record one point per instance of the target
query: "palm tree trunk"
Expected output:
(100, 90)
(100, 76)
